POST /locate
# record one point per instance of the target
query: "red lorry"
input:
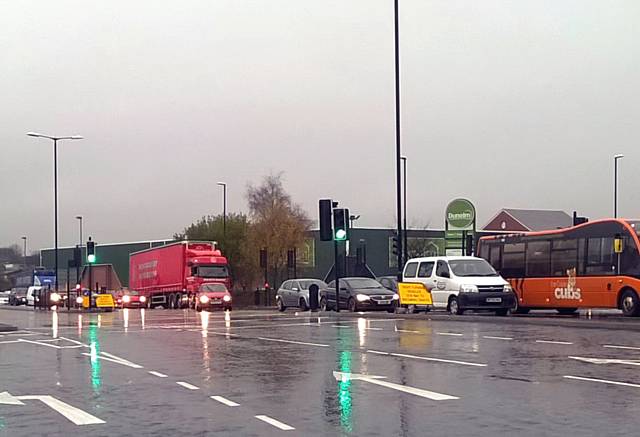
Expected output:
(173, 275)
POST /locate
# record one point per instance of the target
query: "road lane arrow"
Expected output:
(72, 413)
(8, 399)
(372, 379)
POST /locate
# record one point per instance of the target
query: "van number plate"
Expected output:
(494, 300)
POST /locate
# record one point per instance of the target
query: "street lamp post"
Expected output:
(24, 253)
(404, 213)
(398, 149)
(79, 218)
(55, 188)
(224, 213)
(615, 184)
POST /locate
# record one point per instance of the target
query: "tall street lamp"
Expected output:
(404, 213)
(615, 184)
(55, 187)
(224, 213)
(79, 218)
(24, 253)
(398, 149)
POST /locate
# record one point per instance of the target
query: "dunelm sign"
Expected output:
(460, 215)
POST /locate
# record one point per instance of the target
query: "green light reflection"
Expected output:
(344, 393)
(94, 343)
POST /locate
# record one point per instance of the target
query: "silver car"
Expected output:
(295, 293)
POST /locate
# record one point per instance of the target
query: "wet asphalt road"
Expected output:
(155, 372)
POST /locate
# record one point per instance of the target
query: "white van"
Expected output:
(460, 283)
(31, 294)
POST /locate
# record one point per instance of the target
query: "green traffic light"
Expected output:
(341, 234)
(91, 258)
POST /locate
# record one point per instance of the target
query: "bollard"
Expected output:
(313, 297)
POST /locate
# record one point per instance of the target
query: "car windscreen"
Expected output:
(471, 267)
(362, 283)
(306, 284)
(213, 288)
(213, 271)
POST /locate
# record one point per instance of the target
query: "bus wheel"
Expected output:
(566, 311)
(629, 303)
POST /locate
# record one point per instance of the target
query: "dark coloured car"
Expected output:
(359, 294)
(18, 297)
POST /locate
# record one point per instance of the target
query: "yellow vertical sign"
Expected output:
(414, 294)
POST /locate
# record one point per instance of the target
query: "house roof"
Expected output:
(540, 219)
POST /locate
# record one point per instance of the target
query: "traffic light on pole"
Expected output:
(340, 224)
(91, 251)
(394, 248)
(326, 231)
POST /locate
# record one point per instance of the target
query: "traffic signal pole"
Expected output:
(398, 149)
(335, 268)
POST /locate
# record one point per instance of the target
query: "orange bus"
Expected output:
(592, 265)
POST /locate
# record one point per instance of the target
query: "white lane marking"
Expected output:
(613, 346)
(10, 341)
(409, 331)
(371, 329)
(49, 340)
(291, 341)
(75, 341)
(491, 337)
(604, 381)
(274, 422)
(341, 326)
(455, 334)
(378, 352)
(124, 363)
(439, 360)
(187, 385)
(72, 413)
(343, 376)
(553, 342)
(22, 340)
(606, 361)
(225, 401)
(158, 374)
(115, 357)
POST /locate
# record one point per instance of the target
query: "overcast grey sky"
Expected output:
(509, 103)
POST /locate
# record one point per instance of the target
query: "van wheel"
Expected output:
(411, 309)
(502, 312)
(323, 304)
(518, 309)
(453, 307)
(629, 303)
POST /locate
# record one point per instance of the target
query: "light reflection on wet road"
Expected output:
(262, 373)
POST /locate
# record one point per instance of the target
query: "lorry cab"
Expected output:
(461, 283)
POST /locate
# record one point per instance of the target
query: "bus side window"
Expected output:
(538, 258)
(601, 259)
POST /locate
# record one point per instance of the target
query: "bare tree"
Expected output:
(277, 223)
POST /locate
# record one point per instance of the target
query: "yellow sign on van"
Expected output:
(414, 294)
(105, 301)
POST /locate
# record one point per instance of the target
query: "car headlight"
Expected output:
(126, 299)
(468, 288)
(507, 288)
(204, 299)
(79, 299)
(226, 298)
(55, 297)
(143, 299)
(362, 297)
(396, 296)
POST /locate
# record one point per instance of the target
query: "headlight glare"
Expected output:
(468, 288)
(362, 297)
(396, 296)
(204, 298)
(226, 298)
